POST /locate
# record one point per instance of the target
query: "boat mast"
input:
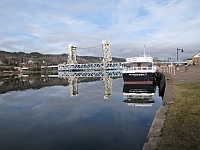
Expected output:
(139, 53)
(144, 51)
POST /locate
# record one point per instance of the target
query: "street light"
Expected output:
(177, 52)
(168, 59)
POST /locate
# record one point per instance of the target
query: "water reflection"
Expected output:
(131, 92)
(141, 95)
(73, 86)
(22, 82)
(43, 112)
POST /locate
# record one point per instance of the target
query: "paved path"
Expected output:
(192, 75)
(182, 74)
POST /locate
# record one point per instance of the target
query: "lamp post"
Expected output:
(177, 52)
(168, 59)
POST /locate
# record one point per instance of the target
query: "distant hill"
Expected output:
(21, 58)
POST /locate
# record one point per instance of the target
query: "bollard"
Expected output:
(186, 68)
(171, 69)
(174, 70)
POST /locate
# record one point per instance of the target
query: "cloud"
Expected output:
(48, 27)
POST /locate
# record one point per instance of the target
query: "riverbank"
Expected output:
(182, 126)
(156, 135)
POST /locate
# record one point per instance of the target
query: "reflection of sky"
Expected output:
(48, 118)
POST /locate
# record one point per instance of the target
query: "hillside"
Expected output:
(38, 59)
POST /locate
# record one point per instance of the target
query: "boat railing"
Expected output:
(139, 68)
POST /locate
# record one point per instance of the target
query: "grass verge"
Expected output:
(182, 127)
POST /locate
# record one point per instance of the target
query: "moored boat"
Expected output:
(139, 69)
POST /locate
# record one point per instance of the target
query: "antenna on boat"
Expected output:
(149, 52)
(144, 51)
(139, 53)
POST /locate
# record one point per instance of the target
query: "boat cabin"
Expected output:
(139, 63)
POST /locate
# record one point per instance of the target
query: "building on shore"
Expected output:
(196, 59)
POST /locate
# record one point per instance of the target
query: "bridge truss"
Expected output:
(111, 73)
(92, 66)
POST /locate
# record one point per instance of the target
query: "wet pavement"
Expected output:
(182, 74)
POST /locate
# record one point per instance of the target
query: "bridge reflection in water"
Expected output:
(73, 86)
(134, 94)
(106, 77)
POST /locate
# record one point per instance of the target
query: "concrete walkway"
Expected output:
(182, 74)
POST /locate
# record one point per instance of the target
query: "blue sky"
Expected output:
(48, 26)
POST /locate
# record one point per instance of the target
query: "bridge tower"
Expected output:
(107, 86)
(106, 52)
(71, 54)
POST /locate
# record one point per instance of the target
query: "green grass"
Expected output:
(182, 127)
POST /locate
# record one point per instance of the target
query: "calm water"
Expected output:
(39, 113)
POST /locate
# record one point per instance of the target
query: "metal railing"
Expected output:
(138, 68)
(93, 66)
(169, 69)
(112, 73)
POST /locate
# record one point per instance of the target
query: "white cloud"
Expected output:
(49, 27)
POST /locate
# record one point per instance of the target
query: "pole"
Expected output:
(177, 54)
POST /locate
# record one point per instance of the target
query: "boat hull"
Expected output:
(140, 78)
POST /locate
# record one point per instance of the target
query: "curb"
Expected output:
(154, 135)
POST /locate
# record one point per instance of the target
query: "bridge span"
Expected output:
(91, 66)
(109, 73)
(72, 64)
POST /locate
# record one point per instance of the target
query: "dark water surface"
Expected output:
(47, 118)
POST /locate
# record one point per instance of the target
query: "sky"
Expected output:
(49, 26)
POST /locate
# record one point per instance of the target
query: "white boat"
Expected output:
(139, 69)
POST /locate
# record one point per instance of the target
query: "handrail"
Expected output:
(139, 68)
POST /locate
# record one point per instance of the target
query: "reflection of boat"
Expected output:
(161, 83)
(139, 103)
(139, 69)
(139, 94)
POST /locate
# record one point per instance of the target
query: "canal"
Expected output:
(38, 112)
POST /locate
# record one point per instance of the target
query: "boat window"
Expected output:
(149, 64)
(128, 65)
(139, 64)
